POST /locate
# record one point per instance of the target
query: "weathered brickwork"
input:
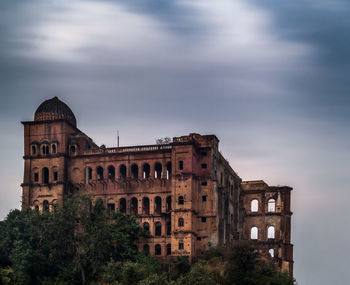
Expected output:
(184, 192)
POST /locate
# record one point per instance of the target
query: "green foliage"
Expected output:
(82, 243)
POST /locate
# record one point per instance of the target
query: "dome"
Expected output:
(54, 109)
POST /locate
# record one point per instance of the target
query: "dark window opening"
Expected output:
(158, 229)
(45, 149)
(181, 165)
(168, 170)
(36, 208)
(158, 171)
(168, 203)
(122, 205)
(146, 227)
(88, 174)
(33, 149)
(199, 238)
(204, 153)
(36, 177)
(168, 249)
(157, 249)
(134, 206)
(181, 222)
(134, 171)
(204, 219)
(168, 228)
(111, 172)
(53, 148)
(55, 176)
(146, 249)
(46, 206)
(158, 205)
(204, 183)
(204, 166)
(181, 200)
(72, 149)
(145, 206)
(122, 171)
(99, 171)
(146, 170)
(45, 175)
(181, 245)
(204, 198)
(111, 207)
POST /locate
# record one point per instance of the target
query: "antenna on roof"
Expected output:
(117, 138)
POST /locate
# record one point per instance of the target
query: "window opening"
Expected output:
(157, 249)
(158, 171)
(146, 249)
(181, 200)
(122, 171)
(158, 229)
(254, 233)
(204, 198)
(271, 232)
(145, 206)
(181, 222)
(45, 175)
(181, 245)
(146, 170)
(46, 206)
(168, 170)
(168, 249)
(254, 205)
(168, 228)
(134, 171)
(271, 205)
(122, 205)
(157, 205)
(134, 206)
(99, 171)
(204, 219)
(168, 203)
(204, 166)
(181, 165)
(111, 172)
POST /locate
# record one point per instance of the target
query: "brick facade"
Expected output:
(184, 191)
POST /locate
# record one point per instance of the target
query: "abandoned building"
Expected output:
(183, 192)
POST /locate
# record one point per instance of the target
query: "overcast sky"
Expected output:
(269, 78)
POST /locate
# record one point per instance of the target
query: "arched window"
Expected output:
(181, 245)
(157, 249)
(36, 207)
(36, 174)
(134, 171)
(272, 252)
(254, 233)
(33, 150)
(168, 203)
(157, 229)
(111, 205)
(181, 222)
(146, 170)
(158, 205)
(54, 173)
(168, 249)
(122, 171)
(46, 175)
(45, 149)
(271, 205)
(254, 205)
(72, 149)
(145, 206)
(146, 227)
(53, 148)
(111, 172)
(88, 174)
(122, 205)
(158, 171)
(146, 249)
(168, 170)
(168, 228)
(181, 200)
(271, 232)
(99, 171)
(46, 205)
(134, 206)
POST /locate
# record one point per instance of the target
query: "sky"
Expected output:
(269, 78)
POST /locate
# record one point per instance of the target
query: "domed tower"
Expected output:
(54, 109)
(46, 154)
